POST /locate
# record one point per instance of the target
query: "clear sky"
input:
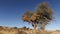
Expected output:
(12, 10)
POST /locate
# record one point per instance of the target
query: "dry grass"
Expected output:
(6, 30)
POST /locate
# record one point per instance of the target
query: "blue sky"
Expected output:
(12, 10)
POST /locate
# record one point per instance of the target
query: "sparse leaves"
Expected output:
(43, 15)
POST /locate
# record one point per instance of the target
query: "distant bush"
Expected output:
(1, 28)
(15, 27)
(25, 28)
(57, 30)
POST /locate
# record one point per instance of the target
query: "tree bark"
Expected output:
(34, 28)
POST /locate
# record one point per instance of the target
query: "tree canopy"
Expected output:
(42, 15)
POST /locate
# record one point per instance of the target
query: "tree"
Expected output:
(30, 18)
(45, 13)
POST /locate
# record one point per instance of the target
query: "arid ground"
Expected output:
(15, 30)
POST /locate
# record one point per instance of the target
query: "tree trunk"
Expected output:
(34, 28)
(42, 26)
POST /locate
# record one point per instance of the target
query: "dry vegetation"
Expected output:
(15, 30)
